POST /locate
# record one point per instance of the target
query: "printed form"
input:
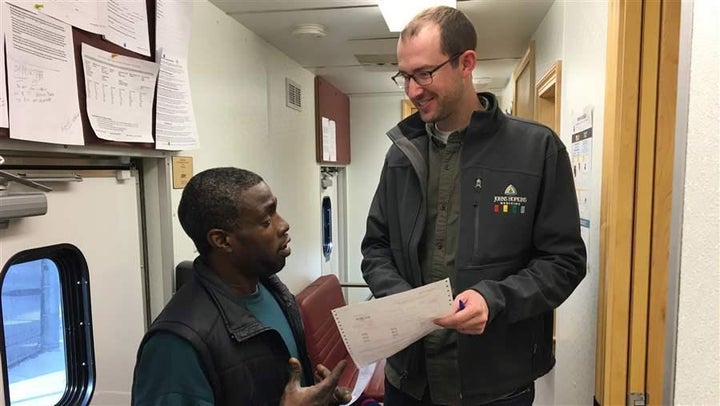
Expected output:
(379, 328)
(119, 94)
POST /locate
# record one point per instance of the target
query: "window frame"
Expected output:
(77, 318)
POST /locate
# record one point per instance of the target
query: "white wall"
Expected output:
(238, 83)
(549, 39)
(697, 379)
(370, 118)
(575, 32)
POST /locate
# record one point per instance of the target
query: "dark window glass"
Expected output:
(327, 227)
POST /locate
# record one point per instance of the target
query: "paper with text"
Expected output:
(378, 328)
(119, 92)
(3, 88)
(126, 24)
(175, 127)
(83, 14)
(42, 86)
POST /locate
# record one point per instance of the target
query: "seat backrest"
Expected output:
(316, 302)
(183, 273)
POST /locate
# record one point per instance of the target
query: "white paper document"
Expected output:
(3, 88)
(127, 24)
(83, 14)
(42, 86)
(119, 93)
(329, 138)
(364, 375)
(175, 127)
(173, 22)
(379, 328)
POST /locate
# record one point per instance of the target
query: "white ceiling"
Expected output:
(356, 27)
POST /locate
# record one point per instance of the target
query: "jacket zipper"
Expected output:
(476, 246)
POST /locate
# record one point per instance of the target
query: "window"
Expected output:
(47, 351)
(327, 228)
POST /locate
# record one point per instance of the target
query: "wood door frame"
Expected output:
(638, 153)
(527, 62)
(550, 83)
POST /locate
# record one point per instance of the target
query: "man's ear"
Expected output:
(468, 60)
(219, 239)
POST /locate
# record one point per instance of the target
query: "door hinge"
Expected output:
(637, 399)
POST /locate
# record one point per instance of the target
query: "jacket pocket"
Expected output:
(497, 214)
(497, 271)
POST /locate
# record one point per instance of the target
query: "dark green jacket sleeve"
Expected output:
(169, 372)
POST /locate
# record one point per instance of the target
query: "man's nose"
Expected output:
(412, 89)
(283, 226)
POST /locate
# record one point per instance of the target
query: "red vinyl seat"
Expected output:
(325, 346)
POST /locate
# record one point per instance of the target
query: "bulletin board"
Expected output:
(79, 37)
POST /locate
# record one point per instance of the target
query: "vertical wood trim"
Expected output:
(662, 198)
(645, 170)
(618, 198)
(527, 62)
(551, 80)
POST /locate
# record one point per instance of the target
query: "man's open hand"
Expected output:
(324, 392)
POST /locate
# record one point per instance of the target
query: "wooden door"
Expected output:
(640, 105)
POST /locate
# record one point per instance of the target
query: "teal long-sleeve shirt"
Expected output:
(169, 373)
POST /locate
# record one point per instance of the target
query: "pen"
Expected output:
(461, 305)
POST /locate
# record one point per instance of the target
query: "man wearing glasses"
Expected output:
(485, 199)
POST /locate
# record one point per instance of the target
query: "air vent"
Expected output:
(293, 95)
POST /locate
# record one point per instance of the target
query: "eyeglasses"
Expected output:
(421, 77)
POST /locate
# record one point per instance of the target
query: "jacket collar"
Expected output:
(238, 321)
(484, 122)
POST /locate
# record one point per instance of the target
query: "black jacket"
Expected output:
(519, 243)
(245, 362)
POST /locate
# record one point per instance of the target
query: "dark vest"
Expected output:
(245, 362)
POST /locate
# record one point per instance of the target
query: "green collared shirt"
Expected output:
(437, 258)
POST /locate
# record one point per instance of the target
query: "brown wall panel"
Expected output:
(335, 105)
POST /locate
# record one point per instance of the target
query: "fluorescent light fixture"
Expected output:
(397, 13)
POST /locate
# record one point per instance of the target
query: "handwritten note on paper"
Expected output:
(42, 89)
(376, 329)
(119, 94)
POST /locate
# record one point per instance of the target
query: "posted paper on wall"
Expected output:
(3, 87)
(581, 161)
(175, 127)
(173, 22)
(119, 93)
(83, 14)
(42, 86)
(329, 138)
(379, 328)
(126, 24)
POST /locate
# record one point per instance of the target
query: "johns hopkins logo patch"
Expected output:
(510, 202)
